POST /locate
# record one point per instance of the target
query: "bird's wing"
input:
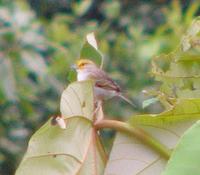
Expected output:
(102, 80)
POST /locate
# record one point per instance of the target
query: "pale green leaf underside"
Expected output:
(52, 148)
(186, 156)
(131, 157)
(75, 150)
(77, 100)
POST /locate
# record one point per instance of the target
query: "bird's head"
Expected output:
(83, 63)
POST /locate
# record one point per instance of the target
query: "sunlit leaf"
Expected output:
(186, 156)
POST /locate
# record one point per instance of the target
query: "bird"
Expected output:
(104, 86)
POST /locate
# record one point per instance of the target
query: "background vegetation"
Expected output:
(40, 39)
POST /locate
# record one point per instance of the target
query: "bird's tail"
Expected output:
(127, 100)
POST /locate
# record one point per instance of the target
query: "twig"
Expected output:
(134, 131)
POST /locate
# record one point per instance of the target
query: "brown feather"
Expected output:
(102, 80)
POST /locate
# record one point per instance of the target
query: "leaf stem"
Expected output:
(137, 132)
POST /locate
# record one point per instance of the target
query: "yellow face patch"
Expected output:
(82, 62)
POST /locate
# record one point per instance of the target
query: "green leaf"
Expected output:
(179, 71)
(129, 156)
(183, 110)
(71, 76)
(74, 150)
(186, 156)
(90, 50)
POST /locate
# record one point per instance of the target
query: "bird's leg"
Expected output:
(98, 112)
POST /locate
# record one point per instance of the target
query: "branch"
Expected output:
(134, 131)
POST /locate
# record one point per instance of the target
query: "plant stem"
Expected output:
(139, 133)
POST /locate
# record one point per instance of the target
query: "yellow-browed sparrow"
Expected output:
(105, 87)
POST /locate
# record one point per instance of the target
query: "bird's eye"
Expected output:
(82, 64)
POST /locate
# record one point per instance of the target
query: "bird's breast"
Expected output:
(82, 75)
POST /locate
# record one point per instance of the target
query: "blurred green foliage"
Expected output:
(38, 43)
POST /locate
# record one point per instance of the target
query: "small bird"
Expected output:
(104, 87)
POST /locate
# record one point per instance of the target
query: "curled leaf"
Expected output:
(58, 120)
(91, 40)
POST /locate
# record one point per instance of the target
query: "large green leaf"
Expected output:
(74, 150)
(129, 156)
(186, 156)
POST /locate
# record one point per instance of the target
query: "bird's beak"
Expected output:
(73, 67)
